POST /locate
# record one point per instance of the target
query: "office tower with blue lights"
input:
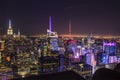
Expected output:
(53, 37)
(109, 55)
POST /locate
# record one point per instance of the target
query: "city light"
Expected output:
(109, 44)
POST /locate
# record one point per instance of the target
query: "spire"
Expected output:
(9, 23)
(91, 34)
(18, 32)
(69, 27)
(9, 31)
(50, 23)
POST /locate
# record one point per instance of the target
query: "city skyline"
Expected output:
(97, 17)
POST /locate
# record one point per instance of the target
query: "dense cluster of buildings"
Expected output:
(54, 53)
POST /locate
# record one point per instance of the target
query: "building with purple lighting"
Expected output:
(109, 55)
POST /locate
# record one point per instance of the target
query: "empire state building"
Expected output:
(10, 30)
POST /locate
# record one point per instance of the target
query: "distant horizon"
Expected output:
(83, 34)
(94, 34)
(3, 31)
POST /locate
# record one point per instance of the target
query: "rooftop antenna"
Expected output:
(70, 28)
(9, 23)
(91, 34)
(50, 24)
(18, 32)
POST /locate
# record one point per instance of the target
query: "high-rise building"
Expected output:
(10, 30)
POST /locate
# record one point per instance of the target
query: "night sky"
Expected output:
(87, 16)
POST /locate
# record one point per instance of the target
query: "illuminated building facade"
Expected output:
(10, 30)
(1, 45)
(53, 37)
(109, 49)
(1, 50)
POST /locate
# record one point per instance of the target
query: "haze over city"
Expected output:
(31, 17)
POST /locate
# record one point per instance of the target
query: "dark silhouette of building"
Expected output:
(66, 75)
(117, 67)
(106, 74)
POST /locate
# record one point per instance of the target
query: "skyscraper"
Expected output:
(10, 30)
